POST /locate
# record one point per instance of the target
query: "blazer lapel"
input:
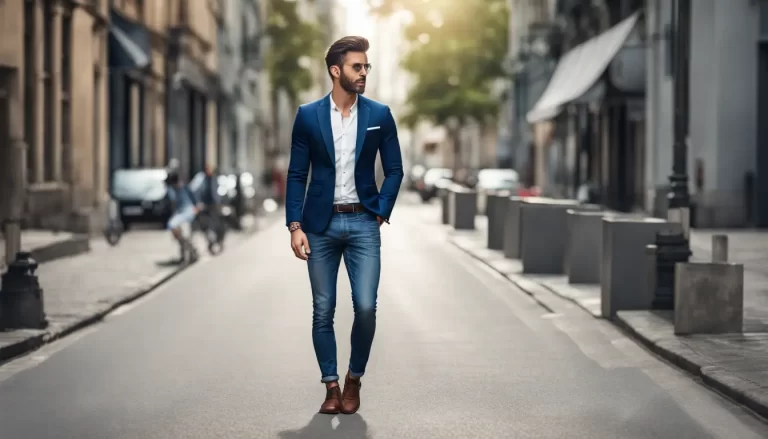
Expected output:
(324, 119)
(362, 125)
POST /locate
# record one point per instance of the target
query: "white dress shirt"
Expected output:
(344, 142)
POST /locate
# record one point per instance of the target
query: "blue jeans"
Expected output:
(356, 236)
(182, 217)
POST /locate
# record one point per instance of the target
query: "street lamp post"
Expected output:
(678, 197)
(673, 247)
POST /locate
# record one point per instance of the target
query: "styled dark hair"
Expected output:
(338, 50)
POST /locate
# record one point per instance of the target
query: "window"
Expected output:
(49, 141)
(66, 88)
(29, 87)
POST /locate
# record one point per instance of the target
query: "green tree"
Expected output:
(457, 53)
(293, 41)
(293, 44)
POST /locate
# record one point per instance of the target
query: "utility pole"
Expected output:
(674, 247)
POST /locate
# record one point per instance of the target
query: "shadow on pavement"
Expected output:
(169, 263)
(321, 427)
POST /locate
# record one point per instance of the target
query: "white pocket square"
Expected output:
(373, 128)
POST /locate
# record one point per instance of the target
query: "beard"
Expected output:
(351, 86)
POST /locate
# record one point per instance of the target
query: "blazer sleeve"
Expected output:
(298, 170)
(392, 163)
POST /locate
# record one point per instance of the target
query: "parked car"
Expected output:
(434, 179)
(490, 180)
(140, 195)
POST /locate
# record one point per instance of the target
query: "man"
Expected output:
(342, 211)
(209, 190)
(184, 212)
(209, 209)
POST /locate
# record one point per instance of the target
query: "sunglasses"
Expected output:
(358, 66)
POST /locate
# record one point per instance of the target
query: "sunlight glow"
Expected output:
(435, 18)
(359, 22)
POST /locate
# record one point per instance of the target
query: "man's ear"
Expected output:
(335, 71)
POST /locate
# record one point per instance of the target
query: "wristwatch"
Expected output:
(292, 227)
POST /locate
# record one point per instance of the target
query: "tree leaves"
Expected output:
(291, 40)
(458, 47)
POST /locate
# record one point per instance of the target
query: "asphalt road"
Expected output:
(224, 351)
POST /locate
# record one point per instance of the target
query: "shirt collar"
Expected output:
(335, 108)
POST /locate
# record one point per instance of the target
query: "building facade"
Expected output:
(241, 61)
(192, 84)
(533, 51)
(588, 123)
(727, 152)
(137, 83)
(53, 96)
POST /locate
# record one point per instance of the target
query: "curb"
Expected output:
(528, 285)
(710, 375)
(45, 336)
(153, 284)
(76, 245)
(677, 359)
(29, 344)
(517, 283)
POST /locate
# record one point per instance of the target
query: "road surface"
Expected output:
(224, 350)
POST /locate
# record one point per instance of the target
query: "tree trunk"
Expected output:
(455, 136)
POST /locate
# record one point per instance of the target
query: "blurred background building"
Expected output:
(90, 87)
(608, 123)
(241, 118)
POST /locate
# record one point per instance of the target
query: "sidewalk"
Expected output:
(46, 246)
(734, 364)
(81, 290)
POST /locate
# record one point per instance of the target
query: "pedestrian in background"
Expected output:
(184, 208)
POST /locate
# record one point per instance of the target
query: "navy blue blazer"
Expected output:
(312, 144)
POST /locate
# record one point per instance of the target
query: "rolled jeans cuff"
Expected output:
(329, 379)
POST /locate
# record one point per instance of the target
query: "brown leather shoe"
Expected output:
(350, 399)
(332, 403)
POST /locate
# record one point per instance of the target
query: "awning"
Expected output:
(128, 44)
(580, 69)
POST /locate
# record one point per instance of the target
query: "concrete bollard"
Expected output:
(463, 208)
(709, 297)
(720, 248)
(495, 211)
(445, 202)
(650, 253)
(543, 230)
(512, 238)
(624, 262)
(584, 244)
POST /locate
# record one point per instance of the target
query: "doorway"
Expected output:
(6, 79)
(759, 199)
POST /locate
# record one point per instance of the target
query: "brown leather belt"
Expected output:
(349, 208)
